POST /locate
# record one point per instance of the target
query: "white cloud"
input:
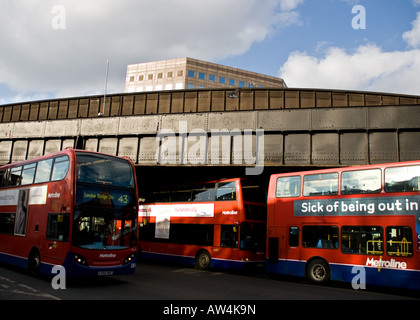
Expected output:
(288, 5)
(366, 68)
(412, 37)
(35, 57)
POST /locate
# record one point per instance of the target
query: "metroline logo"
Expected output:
(107, 255)
(392, 264)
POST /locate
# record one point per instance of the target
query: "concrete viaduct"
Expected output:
(220, 130)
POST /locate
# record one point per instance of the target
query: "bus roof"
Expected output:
(348, 168)
(68, 150)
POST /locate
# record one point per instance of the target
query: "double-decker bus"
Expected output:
(72, 208)
(218, 224)
(355, 224)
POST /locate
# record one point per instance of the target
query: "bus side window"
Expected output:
(288, 187)
(206, 192)
(28, 173)
(320, 184)
(15, 176)
(43, 172)
(402, 179)
(7, 223)
(226, 191)
(399, 241)
(325, 237)
(362, 181)
(3, 178)
(229, 236)
(60, 169)
(362, 240)
(183, 195)
(293, 237)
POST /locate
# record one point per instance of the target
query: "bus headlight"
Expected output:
(80, 260)
(129, 259)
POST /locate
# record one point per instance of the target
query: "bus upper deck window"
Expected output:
(361, 181)
(288, 187)
(320, 184)
(226, 191)
(402, 179)
(60, 169)
(43, 171)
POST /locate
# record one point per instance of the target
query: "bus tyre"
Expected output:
(203, 260)
(318, 271)
(34, 263)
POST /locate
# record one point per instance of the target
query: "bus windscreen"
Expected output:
(104, 217)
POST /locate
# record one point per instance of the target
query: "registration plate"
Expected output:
(105, 273)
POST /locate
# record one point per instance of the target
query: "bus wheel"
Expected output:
(203, 260)
(34, 263)
(318, 271)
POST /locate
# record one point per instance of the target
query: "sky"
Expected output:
(60, 48)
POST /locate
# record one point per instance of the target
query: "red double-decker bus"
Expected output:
(72, 208)
(356, 224)
(217, 224)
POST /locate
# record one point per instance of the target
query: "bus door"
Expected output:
(293, 249)
(283, 252)
(277, 244)
(58, 229)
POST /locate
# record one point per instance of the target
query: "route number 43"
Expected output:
(123, 199)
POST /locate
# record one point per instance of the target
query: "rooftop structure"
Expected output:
(188, 73)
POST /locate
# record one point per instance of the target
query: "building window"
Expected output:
(150, 76)
(222, 80)
(190, 86)
(201, 76)
(191, 73)
(241, 84)
(160, 75)
(180, 73)
(131, 78)
(168, 86)
(141, 77)
(231, 82)
(212, 78)
(169, 74)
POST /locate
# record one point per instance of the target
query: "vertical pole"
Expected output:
(106, 84)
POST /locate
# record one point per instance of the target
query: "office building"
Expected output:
(188, 73)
